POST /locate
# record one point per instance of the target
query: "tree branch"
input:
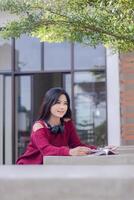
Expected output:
(88, 28)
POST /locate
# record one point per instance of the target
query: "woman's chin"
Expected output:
(60, 115)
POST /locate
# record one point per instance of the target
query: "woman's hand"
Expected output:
(111, 147)
(79, 151)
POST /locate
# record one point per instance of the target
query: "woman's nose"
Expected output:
(62, 106)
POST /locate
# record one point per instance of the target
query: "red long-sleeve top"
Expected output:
(44, 143)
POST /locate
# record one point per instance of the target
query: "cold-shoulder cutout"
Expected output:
(37, 126)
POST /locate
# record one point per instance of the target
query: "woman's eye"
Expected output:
(58, 102)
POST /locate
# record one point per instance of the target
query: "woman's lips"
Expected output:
(61, 112)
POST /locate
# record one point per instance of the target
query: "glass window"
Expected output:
(23, 107)
(57, 56)
(67, 86)
(86, 57)
(28, 54)
(5, 55)
(90, 106)
(1, 119)
(8, 121)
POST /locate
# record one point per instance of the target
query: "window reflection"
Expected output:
(28, 54)
(5, 55)
(57, 56)
(23, 116)
(86, 57)
(90, 106)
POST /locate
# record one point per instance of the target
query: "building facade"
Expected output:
(99, 83)
(28, 68)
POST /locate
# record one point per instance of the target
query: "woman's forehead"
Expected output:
(62, 97)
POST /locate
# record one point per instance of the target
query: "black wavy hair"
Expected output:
(51, 97)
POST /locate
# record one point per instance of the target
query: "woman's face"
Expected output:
(60, 108)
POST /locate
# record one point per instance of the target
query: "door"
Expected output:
(30, 90)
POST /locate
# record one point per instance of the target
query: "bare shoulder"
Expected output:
(37, 126)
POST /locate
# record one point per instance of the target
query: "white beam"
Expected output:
(113, 98)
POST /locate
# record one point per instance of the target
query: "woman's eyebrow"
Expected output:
(62, 101)
(66, 102)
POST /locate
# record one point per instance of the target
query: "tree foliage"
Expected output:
(90, 22)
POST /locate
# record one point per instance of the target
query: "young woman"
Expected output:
(54, 134)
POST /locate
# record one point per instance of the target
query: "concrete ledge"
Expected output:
(126, 149)
(67, 182)
(122, 159)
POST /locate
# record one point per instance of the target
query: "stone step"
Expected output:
(67, 182)
(122, 159)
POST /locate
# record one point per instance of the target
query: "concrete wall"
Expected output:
(67, 182)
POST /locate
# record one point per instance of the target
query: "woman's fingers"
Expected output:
(79, 151)
(112, 147)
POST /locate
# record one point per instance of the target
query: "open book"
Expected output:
(104, 151)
